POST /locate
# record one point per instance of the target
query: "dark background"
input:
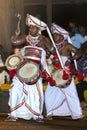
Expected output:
(63, 13)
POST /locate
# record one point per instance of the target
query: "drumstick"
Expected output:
(55, 47)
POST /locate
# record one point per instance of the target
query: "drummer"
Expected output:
(63, 101)
(26, 101)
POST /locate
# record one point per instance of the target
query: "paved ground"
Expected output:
(58, 123)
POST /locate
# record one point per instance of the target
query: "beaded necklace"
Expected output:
(60, 45)
(32, 40)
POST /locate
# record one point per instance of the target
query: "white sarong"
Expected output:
(26, 101)
(63, 101)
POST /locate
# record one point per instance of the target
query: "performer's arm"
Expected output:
(76, 53)
(18, 40)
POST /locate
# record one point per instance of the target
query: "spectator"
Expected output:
(82, 30)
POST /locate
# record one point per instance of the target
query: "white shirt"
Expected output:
(77, 40)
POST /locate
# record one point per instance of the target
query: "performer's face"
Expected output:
(58, 37)
(33, 30)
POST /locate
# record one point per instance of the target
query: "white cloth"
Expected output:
(31, 20)
(4, 75)
(57, 29)
(26, 101)
(63, 101)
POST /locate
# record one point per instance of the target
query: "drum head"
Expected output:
(50, 68)
(13, 61)
(60, 82)
(28, 72)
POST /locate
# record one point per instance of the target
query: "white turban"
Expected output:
(57, 29)
(31, 20)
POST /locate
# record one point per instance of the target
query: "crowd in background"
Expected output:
(78, 34)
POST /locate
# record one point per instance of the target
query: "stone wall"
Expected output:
(8, 21)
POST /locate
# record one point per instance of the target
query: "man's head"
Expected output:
(72, 23)
(35, 25)
(82, 30)
(34, 30)
(59, 33)
(58, 37)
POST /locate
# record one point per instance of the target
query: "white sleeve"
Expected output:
(43, 61)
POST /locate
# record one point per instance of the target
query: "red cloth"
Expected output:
(57, 65)
(51, 81)
(55, 57)
(71, 70)
(44, 75)
(65, 75)
(35, 61)
(12, 73)
(80, 76)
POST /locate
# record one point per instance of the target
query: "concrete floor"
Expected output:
(58, 123)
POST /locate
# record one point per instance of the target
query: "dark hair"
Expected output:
(73, 21)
